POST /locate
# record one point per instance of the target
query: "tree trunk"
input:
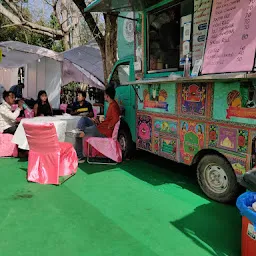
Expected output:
(107, 43)
(66, 42)
(65, 17)
(110, 44)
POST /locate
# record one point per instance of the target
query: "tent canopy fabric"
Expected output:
(72, 72)
(87, 59)
(81, 64)
(19, 54)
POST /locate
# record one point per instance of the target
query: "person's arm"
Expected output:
(12, 115)
(115, 116)
(112, 118)
(36, 109)
(74, 110)
(90, 111)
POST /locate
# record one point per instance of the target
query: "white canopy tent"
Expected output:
(45, 69)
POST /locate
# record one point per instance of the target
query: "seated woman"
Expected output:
(42, 107)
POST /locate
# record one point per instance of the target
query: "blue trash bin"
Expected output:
(248, 234)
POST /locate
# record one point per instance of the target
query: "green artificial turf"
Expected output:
(135, 208)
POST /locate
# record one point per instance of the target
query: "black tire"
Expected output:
(125, 140)
(217, 179)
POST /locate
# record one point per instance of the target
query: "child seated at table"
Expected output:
(43, 107)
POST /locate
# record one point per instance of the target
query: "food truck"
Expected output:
(185, 79)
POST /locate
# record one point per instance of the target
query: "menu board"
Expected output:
(231, 39)
(202, 11)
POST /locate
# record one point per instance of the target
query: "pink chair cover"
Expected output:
(109, 147)
(48, 158)
(95, 112)
(64, 107)
(29, 113)
(7, 148)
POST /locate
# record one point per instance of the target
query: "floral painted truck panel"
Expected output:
(192, 137)
(218, 116)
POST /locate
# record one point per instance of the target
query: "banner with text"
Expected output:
(231, 39)
(202, 11)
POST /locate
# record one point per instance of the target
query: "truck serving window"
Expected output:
(164, 36)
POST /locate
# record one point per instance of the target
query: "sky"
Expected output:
(39, 7)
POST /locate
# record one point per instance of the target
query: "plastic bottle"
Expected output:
(187, 67)
(25, 106)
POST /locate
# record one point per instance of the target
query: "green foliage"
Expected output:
(9, 32)
(71, 86)
(58, 46)
(54, 22)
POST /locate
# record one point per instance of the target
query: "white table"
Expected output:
(71, 124)
(61, 123)
(70, 120)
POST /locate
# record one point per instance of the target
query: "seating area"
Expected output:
(48, 158)
(103, 148)
(51, 159)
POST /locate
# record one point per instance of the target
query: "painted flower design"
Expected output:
(241, 141)
(213, 135)
(144, 131)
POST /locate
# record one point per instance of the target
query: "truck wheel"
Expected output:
(217, 179)
(125, 140)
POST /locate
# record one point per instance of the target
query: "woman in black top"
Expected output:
(42, 107)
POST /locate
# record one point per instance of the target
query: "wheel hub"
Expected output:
(122, 143)
(216, 178)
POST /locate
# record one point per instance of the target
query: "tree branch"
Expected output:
(91, 24)
(16, 20)
(14, 8)
(54, 7)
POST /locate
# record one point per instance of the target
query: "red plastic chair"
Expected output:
(48, 158)
(106, 147)
(7, 148)
(64, 107)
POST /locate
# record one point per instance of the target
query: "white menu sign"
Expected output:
(231, 39)
(202, 11)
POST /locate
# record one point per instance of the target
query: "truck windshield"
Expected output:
(120, 75)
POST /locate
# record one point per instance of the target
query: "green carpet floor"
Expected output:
(145, 207)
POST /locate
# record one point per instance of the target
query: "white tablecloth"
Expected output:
(61, 123)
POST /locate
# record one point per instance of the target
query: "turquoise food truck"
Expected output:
(185, 79)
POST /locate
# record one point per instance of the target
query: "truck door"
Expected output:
(122, 73)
